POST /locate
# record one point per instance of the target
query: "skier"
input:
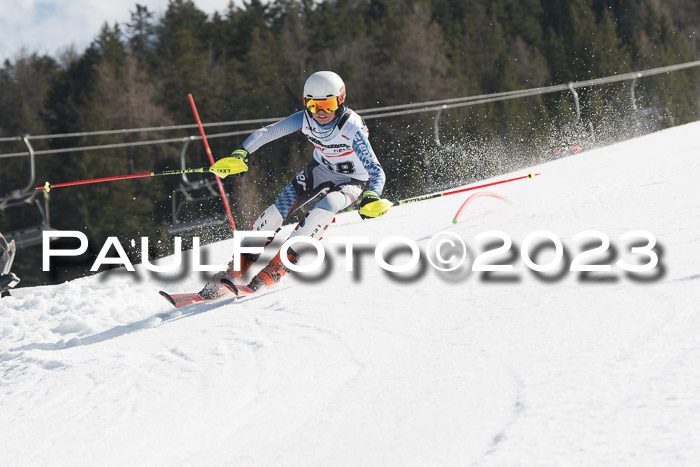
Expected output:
(344, 167)
(7, 254)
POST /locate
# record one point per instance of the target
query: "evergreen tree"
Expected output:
(183, 61)
(141, 32)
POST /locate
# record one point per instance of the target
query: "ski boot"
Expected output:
(214, 288)
(274, 271)
(313, 225)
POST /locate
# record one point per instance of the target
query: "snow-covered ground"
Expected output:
(368, 369)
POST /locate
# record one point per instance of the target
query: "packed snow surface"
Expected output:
(367, 368)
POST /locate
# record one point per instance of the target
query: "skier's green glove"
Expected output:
(371, 206)
(241, 153)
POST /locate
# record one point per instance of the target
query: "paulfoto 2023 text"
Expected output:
(444, 251)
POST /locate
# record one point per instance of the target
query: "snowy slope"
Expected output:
(364, 368)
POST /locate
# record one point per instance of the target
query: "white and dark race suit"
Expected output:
(343, 161)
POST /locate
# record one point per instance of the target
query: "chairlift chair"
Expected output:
(32, 235)
(192, 192)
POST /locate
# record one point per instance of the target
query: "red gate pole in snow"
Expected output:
(211, 160)
(473, 197)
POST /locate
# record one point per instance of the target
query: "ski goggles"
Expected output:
(327, 105)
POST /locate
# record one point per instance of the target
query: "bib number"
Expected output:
(346, 167)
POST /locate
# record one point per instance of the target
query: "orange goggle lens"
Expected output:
(327, 105)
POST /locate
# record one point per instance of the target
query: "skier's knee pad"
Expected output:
(314, 224)
(336, 201)
(270, 219)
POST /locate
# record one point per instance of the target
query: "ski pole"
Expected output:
(211, 160)
(227, 166)
(462, 190)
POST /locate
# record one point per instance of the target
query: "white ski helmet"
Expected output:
(324, 87)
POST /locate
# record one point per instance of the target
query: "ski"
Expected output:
(179, 300)
(183, 299)
(238, 289)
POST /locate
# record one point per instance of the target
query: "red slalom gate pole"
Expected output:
(462, 190)
(472, 197)
(211, 160)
